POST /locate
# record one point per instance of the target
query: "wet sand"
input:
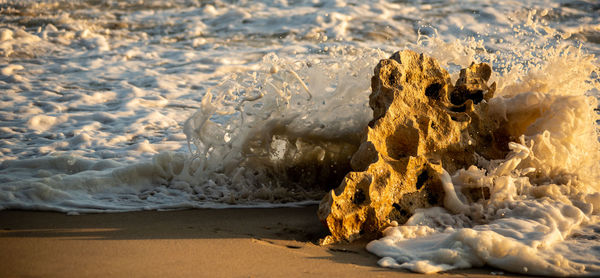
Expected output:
(281, 242)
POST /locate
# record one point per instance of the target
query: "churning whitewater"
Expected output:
(112, 106)
(541, 216)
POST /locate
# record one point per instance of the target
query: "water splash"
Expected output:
(539, 212)
(292, 125)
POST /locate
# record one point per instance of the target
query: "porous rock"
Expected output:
(422, 125)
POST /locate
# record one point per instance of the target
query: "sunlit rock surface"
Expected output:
(422, 125)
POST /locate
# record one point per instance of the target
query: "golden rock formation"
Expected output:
(422, 125)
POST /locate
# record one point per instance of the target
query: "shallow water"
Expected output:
(120, 106)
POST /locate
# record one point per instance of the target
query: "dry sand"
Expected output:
(278, 242)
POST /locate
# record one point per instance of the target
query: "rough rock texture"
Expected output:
(421, 125)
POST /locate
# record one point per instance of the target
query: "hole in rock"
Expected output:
(392, 79)
(421, 179)
(404, 142)
(359, 197)
(433, 90)
(461, 94)
(476, 96)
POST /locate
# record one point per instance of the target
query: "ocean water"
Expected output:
(111, 106)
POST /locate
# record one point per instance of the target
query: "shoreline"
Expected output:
(258, 242)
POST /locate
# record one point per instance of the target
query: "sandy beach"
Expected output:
(278, 242)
